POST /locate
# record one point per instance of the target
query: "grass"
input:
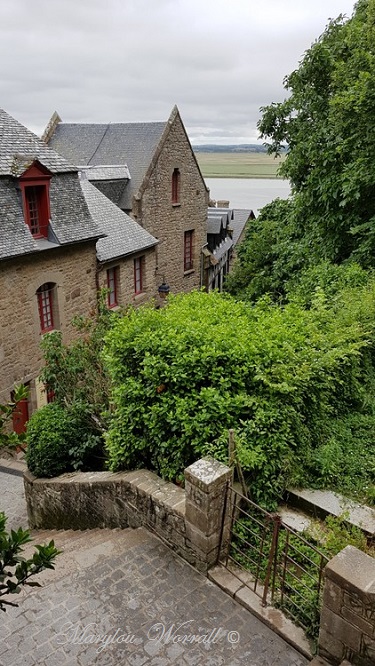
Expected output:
(238, 165)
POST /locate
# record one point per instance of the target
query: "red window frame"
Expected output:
(45, 306)
(188, 250)
(112, 285)
(176, 178)
(138, 275)
(34, 184)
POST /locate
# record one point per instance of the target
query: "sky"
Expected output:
(133, 60)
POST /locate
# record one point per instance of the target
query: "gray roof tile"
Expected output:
(123, 235)
(107, 172)
(70, 220)
(131, 144)
(19, 148)
(241, 216)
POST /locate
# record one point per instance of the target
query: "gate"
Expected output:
(273, 560)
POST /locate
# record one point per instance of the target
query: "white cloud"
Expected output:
(132, 60)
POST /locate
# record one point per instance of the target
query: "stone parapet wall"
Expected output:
(189, 522)
(347, 625)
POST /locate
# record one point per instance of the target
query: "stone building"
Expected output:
(148, 170)
(126, 256)
(62, 240)
(47, 256)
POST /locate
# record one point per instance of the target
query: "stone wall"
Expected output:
(168, 221)
(125, 266)
(189, 521)
(73, 270)
(347, 625)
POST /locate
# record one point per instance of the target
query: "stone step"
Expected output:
(80, 552)
(322, 503)
(319, 661)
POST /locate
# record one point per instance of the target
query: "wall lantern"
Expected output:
(163, 290)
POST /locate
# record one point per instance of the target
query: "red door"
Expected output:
(21, 416)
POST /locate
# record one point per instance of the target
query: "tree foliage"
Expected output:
(328, 123)
(182, 376)
(15, 570)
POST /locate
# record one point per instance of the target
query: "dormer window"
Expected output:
(34, 184)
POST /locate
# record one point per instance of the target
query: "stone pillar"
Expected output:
(347, 624)
(206, 483)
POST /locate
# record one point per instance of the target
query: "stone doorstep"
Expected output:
(13, 465)
(319, 661)
(272, 617)
(322, 503)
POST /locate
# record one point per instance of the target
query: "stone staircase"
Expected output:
(318, 661)
(82, 549)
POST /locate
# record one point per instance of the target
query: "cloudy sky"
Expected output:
(132, 60)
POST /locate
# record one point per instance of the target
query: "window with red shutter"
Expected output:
(138, 275)
(45, 296)
(188, 250)
(176, 177)
(112, 284)
(34, 184)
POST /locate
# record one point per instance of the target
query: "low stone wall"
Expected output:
(347, 624)
(189, 521)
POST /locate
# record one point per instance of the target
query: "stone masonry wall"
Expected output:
(190, 525)
(347, 625)
(73, 270)
(125, 266)
(167, 221)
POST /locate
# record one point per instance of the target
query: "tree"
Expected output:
(15, 571)
(328, 124)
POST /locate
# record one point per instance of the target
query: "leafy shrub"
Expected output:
(58, 440)
(182, 376)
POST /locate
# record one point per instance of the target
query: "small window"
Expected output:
(35, 216)
(138, 275)
(188, 250)
(34, 185)
(176, 177)
(112, 284)
(46, 296)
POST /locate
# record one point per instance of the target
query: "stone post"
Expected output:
(206, 483)
(347, 624)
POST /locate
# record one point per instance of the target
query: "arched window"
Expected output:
(176, 177)
(47, 306)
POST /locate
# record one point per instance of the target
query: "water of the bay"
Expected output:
(251, 193)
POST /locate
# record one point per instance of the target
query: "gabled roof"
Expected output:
(123, 235)
(70, 220)
(238, 224)
(131, 144)
(19, 148)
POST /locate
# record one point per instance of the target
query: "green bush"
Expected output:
(59, 440)
(185, 374)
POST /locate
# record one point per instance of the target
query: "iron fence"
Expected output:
(273, 560)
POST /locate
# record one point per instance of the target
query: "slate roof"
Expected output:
(238, 222)
(223, 248)
(70, 220)
(19, 148)
(131, 144)
(107, 172)
(123, 235)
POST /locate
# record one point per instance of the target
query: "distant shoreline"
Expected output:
(238, 165)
